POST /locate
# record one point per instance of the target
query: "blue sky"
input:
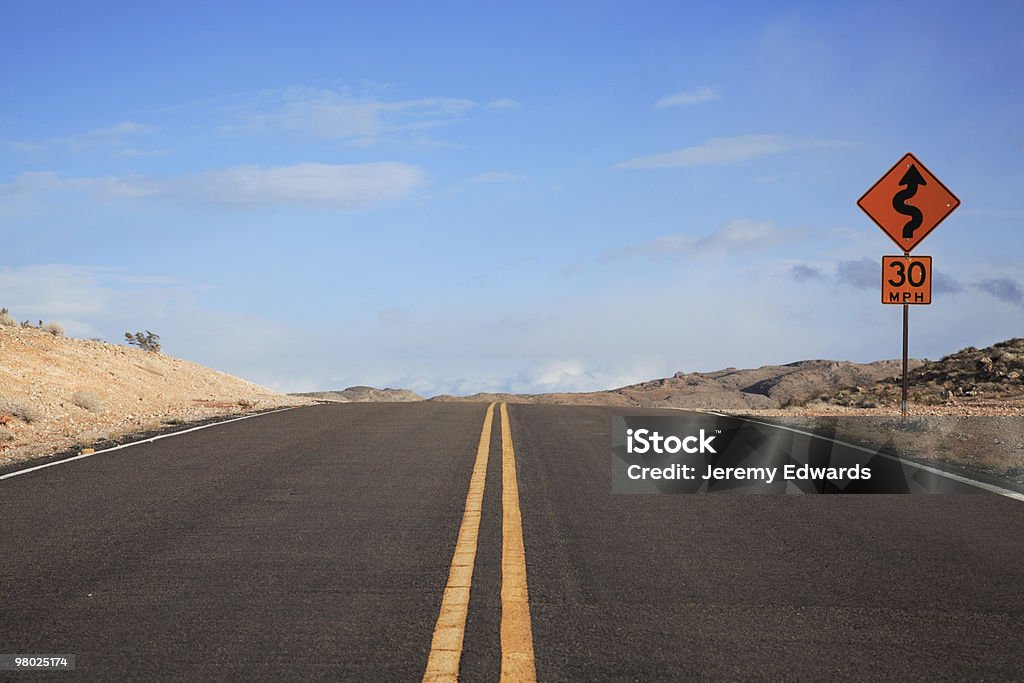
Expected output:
(461, 197)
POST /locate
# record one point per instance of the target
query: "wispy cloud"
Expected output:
(333, 115)
(944, 284)
(31, 182)
(728, 151)
(503, 103)
(993, 214)
(495, 177)
(865, 273)
(688, 98)
(100, 187)
(113, 136)
(739, 236)
(862, 273)
(351, 186)
(343, 186)
(804, 273)
(119, 131)
(136, 153)
(1002, 288)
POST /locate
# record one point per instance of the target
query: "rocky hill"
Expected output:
(767, 387)
(363, 394)
(971, 375)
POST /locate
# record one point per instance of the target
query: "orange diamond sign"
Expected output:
(908, 202)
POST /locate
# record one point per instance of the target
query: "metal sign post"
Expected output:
(906, 334)
(888, 204)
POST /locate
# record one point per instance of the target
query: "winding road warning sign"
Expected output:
(908, 202)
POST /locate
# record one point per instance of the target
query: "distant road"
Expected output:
(353, 542)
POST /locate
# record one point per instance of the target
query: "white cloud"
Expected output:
(495, 177)
(114, 135)
(688, 98)
(345, 186)
(119, 131)
(503, 103)
(350, 186)
(739, 236)
(135, 153)
(32, 182)
(338, 115)
(114, 187)
(728, 151)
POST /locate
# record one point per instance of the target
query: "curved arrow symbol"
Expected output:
(912, 179)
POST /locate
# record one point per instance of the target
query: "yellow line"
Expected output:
(517, 662)
(446, 647)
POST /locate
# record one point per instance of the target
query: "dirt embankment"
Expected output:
(58, 393)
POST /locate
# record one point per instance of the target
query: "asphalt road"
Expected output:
(316, 544)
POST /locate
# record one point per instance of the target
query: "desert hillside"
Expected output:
(984, 381)
(58, 393)
(992, 375)
(767, 387)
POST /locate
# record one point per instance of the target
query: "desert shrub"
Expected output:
(147, 342)
(5, 435)
(6, 319)
(56, 329)
(21, 411)
(88, 400)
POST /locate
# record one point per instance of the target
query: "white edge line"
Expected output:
(136, 443)
(979, 484)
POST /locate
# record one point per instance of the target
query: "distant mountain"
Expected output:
(993, 373)
(770, 386)
(362, 394)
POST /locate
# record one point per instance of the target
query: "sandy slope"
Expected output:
(58, 393)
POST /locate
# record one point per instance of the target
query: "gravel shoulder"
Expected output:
(985, 437)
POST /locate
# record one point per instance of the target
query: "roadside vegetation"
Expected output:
(147, 341)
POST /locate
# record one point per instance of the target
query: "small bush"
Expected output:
(147, 342)
(88, 400)
(56, 329)
(6, 319)
(21, 411)
(5, 435)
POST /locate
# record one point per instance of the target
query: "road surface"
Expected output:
(332, 543)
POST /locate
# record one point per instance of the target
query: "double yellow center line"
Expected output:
(517, 662)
